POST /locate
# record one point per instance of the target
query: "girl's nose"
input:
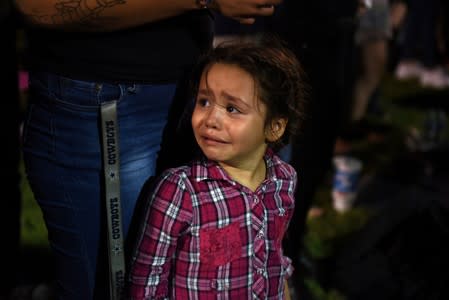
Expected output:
(213, 116)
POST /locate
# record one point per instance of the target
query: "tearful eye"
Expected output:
(232, 109)
(202, 102)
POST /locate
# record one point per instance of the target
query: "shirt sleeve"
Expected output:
(168, 216)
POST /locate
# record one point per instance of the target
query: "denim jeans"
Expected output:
(63, 160)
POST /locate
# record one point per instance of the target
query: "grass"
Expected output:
(33, 231)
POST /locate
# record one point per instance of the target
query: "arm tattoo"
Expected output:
(78, 13)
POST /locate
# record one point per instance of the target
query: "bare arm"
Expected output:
(107, 15)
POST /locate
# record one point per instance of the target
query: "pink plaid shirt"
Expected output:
(208, 237)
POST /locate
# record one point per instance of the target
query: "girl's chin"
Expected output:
(211, 155)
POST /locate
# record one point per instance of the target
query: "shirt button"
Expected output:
(213, 284)
(256, 200)
(156, 271)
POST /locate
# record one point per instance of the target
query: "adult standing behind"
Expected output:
(83, 55)
(321, 35)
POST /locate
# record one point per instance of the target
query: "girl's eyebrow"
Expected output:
(204, 91)
(235, 99)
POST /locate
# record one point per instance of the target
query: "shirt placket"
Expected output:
(259, 230)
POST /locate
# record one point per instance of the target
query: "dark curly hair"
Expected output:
(278, 75)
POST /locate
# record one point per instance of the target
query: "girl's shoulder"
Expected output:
(191, 172)
(279, 168)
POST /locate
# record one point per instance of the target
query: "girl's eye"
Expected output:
(232, 109)
(202, 102)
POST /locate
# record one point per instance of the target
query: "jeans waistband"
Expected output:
(78, 92)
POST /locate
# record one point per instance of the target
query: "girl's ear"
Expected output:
(276, 129)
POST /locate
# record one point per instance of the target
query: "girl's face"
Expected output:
(228, 120)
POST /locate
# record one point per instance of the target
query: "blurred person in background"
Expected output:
(420, 56)
(321, 33)
(372, 35)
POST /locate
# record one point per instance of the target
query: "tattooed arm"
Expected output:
(107, 15)
(100, 15)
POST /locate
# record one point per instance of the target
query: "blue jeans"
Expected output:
(63, 160)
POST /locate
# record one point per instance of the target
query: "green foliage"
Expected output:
(324, 232)
(33, 230)
(405, 116)
(318, 293)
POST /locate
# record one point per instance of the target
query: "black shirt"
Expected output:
(158, 52)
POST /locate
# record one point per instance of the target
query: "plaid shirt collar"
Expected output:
(205, 169)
